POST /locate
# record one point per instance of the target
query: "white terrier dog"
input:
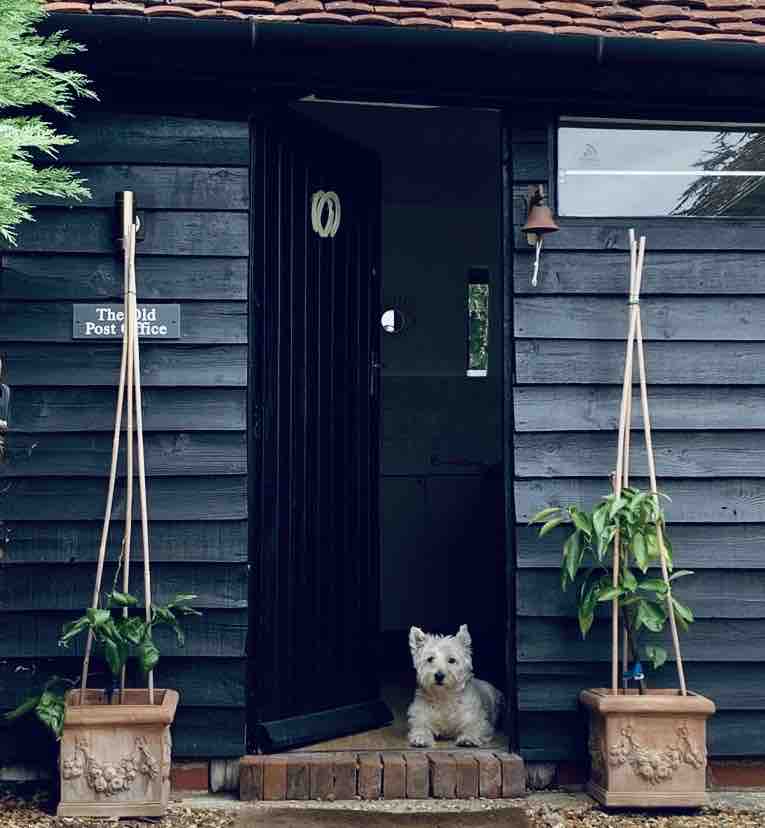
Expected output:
(449, 702)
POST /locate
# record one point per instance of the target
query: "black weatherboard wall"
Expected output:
(190, 177)
(704, 314)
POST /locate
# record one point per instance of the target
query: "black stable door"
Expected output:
(314, 402)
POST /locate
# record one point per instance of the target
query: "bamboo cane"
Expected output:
(626, 396)
(627, 434)
(141, 461)
(113, 468)
(655, 492)
(129, 323)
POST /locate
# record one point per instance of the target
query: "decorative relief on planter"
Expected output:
(110, 778)
(655, 766)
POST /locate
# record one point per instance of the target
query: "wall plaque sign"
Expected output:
(106, 321)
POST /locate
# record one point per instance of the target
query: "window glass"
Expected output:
(478, 321)
(653, 170)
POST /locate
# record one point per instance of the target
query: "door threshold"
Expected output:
(445, 773)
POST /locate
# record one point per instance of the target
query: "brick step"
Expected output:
(440, 774)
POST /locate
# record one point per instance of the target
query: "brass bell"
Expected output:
(539, 222)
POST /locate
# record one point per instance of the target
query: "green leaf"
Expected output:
(653, 585)
(617, 504)
(98, 617)
(132, 630)
(629, 581)
(116, 654)
(51, 710)
(572, 553)
(148, 655)
(549, 526)
(640, 551)
(682, 613)
(586, 613)
(669, 553)
(681, 573)
(25, 707)
(610, 593)
(651, 616)
(183, 598)
(599, 519)
(72, 630)
(541, 517)
(121, 599)
(163, 615)
(656, 655)
(581, 520)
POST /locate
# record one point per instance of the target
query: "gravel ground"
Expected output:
(546, 810)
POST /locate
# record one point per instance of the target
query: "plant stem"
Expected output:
(632, 647)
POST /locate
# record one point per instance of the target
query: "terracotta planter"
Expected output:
(649, 750)
(115, 758)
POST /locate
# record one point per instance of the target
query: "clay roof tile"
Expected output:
(724, 20)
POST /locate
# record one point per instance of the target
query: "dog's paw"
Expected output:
(421, 740)
(468, 741)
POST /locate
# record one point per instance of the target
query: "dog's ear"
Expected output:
(463, 636)
(416, 639)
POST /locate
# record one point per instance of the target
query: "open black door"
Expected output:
(314, 402)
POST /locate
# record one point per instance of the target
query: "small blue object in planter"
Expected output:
(636, 673)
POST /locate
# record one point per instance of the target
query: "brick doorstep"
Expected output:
(443, 774)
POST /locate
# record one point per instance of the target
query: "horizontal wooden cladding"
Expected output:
(530, 162)
(162, 188)
(181, 233)
(201, 682)
(202, 323)
(677, 454)
(711, 593)
(696, 546)
(170, 498)
(218, 632)
(669, 234)
(84, 364)
(197, 732)
(712, 640)
(668, 363)
(709, 319)
(91, 277)
(77, 542)
(119, 138)
(41, 410)
(167, 454)
(595, 272)
(36, 587)
(594, 408)
(564, 735)
(727, 500)
(555, 686)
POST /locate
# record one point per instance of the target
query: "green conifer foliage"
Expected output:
(29, 81)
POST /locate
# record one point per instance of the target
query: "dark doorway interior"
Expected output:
(441, 508)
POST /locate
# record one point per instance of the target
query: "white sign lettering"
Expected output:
(108, 321)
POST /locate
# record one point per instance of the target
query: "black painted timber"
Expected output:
(703, 319)
(191, 179)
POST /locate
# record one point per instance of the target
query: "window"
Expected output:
(478, 321)
(642, 169)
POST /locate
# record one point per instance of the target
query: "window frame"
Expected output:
(669, 125)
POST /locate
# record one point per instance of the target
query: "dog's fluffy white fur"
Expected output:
(449, 702)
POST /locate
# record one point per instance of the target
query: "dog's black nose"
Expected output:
(439, 677)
